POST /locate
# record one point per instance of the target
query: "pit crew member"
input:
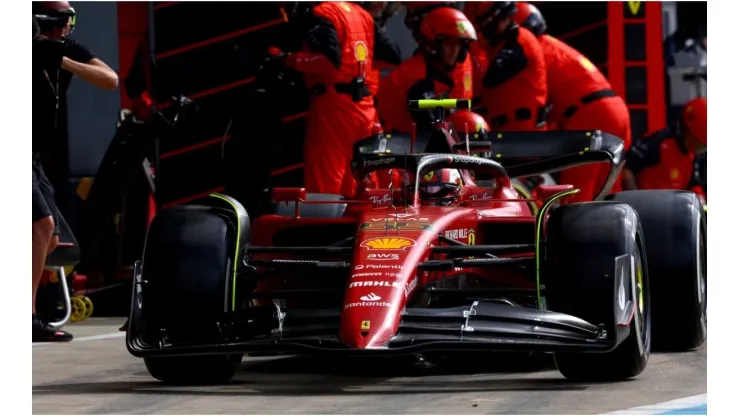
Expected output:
(444, 35)
(667, 159)
(513, 88)
(581, 99)
(340, 47)
(56, 59)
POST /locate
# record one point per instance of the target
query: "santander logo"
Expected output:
(372, 297)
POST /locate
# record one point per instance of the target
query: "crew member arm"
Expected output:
(385, 49)
(643, 154)
(515, 85)
(81, 62)
(325, 53)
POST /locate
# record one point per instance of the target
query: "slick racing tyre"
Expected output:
(189, 260)
(595, 270)
(675, 240)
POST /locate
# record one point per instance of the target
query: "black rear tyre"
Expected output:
(591, 252)
(674, 223)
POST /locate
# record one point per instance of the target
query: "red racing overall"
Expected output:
(336, 119)
(414, 80)
(582, 99)
(662, 161)
(513, 91)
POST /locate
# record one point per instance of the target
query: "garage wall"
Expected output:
(92, 112)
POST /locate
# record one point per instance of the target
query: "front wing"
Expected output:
(483, 326)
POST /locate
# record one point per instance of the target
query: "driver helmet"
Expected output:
(477, 126)
(440, 187)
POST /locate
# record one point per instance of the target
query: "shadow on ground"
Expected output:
(311, 376)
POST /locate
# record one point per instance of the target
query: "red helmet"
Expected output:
(416, 10)
(694, 118)
(441, 187)
(529, 16)
(446, 22)
(477, 126)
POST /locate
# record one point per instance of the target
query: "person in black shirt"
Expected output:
(56, 59)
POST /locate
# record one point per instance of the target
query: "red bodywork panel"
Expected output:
(390, 242)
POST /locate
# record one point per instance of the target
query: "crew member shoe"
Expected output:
(45, 333)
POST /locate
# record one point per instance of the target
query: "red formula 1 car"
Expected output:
(452, 260)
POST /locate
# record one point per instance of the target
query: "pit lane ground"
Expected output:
(95, 374)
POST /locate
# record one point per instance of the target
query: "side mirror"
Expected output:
(545, 192)
(288, 194)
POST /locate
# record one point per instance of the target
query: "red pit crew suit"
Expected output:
(337, 58)
(582, 99)
(662, 161)
(513, 89)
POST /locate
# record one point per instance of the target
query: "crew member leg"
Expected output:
(44, 241)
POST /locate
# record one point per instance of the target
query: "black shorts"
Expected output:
(43, 197)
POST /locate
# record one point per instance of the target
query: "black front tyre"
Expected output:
(595, 270)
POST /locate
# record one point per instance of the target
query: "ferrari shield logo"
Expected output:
(388, 243)
(365, 325)
(468, 81)
(345, 6)
(360, 51)
(674, 174)
(634, 7)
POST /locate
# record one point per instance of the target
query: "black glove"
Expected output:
(509, 61)
(274, 62)
(47, 53)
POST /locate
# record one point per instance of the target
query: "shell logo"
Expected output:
(586, 64)
(345, 6)
(468, 81)
(361, 51)
(388, 243)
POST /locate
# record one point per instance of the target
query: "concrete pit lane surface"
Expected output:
(95, 374)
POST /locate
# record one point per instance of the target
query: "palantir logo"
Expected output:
(372, 297)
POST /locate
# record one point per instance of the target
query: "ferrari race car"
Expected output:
(452, 260)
